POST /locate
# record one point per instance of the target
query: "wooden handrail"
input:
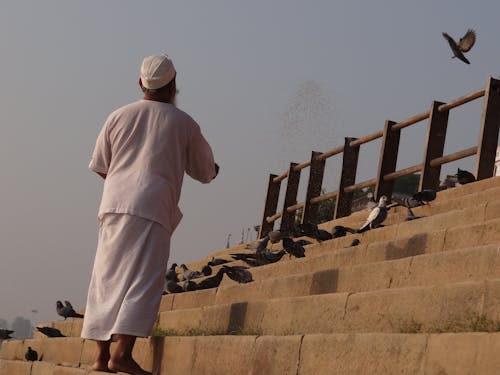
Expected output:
(411, 121)
(361, 185)
(325, 197)
(462, 100)
(452, 157)
(275, 217)
(330, 153)
(295, 207)
(403, 172)
(367, 138)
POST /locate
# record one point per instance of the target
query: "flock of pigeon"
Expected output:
(293, 246)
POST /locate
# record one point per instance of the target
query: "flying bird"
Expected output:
(465, 177)
(67, 311)
(31, 355)
(5, 334)
(376, 217)
(464, 45)
(50, 332)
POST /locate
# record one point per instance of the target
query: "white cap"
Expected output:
(157, 71)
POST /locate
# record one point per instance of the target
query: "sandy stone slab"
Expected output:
(177, 355)
(9, 367)
(42, 368)
(371, 353)
(393, 310)
(65, 351)
(223, 355)
(194, 299)
(275, 355)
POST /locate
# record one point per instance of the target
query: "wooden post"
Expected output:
(347, 178)
(288, 218)
(273, 193)
(434, 147)
(316, 171)
(387, 160)
(488, 135)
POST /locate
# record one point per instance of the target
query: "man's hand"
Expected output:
(216, 169)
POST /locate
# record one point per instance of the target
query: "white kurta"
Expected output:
(144, 149)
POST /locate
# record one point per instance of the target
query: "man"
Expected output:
(142, 152)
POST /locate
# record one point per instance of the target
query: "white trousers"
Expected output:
(128, 277)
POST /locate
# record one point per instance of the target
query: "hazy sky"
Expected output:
(268, 81)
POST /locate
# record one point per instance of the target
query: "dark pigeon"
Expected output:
(355, 242)
(211, 282)
(465, 177)
(206, 270)
(5, 334)
(172, 274)
(311, 230)
(303, 242)
(173, 287)
(31, 355)
(189, 286)
(293, 248)
(341, 231)
(50, 332)
(411, 216)
(67, 311)
(464, 45)
(239, 274)
(187, 274)
(425, 196)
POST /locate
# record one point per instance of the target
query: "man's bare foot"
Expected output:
(101, 365)
(127, 365)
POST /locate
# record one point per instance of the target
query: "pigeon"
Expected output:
(239, 274)
(189, 286)
(67, 310)
(465, 177)
(211, 282)
(341, 231)
(311, 230)
(303, 242)
(293, 248)
(425, 196)
(50, 332)
(173, 287)
(5, 334)
(377, 216)
(187, 274)
(355, 242)
(217, 262)
(261, 258)
(464, 45)
(206, 270)
(31, 355)
(171, 274)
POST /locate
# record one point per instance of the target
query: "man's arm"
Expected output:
(103, 175)
(200, 159)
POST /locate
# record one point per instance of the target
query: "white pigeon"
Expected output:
(377, 215)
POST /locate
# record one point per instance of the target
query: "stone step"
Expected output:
(429, 269)
(482, 205)
(387, 310)
(315, 354)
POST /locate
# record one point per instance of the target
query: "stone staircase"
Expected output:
(419, 297)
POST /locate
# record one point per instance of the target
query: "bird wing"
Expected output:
(68, 304)
(467, 41)
(452, 43)
(373, 215)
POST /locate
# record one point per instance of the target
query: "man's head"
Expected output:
(158, 78)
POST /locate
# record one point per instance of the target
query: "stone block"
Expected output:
(42, 368)
(177, 355)
(9, 367)
(212, 355)
(457, 354)
(464, 236)
(492, 210)
(300, 315)
(166, 303)
(12, 350)
(65, 351)
(194, 299)
(393, 310)
(371, 353)
(275, 355)
(491, 233)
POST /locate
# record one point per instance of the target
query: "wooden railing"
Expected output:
(429, 169)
